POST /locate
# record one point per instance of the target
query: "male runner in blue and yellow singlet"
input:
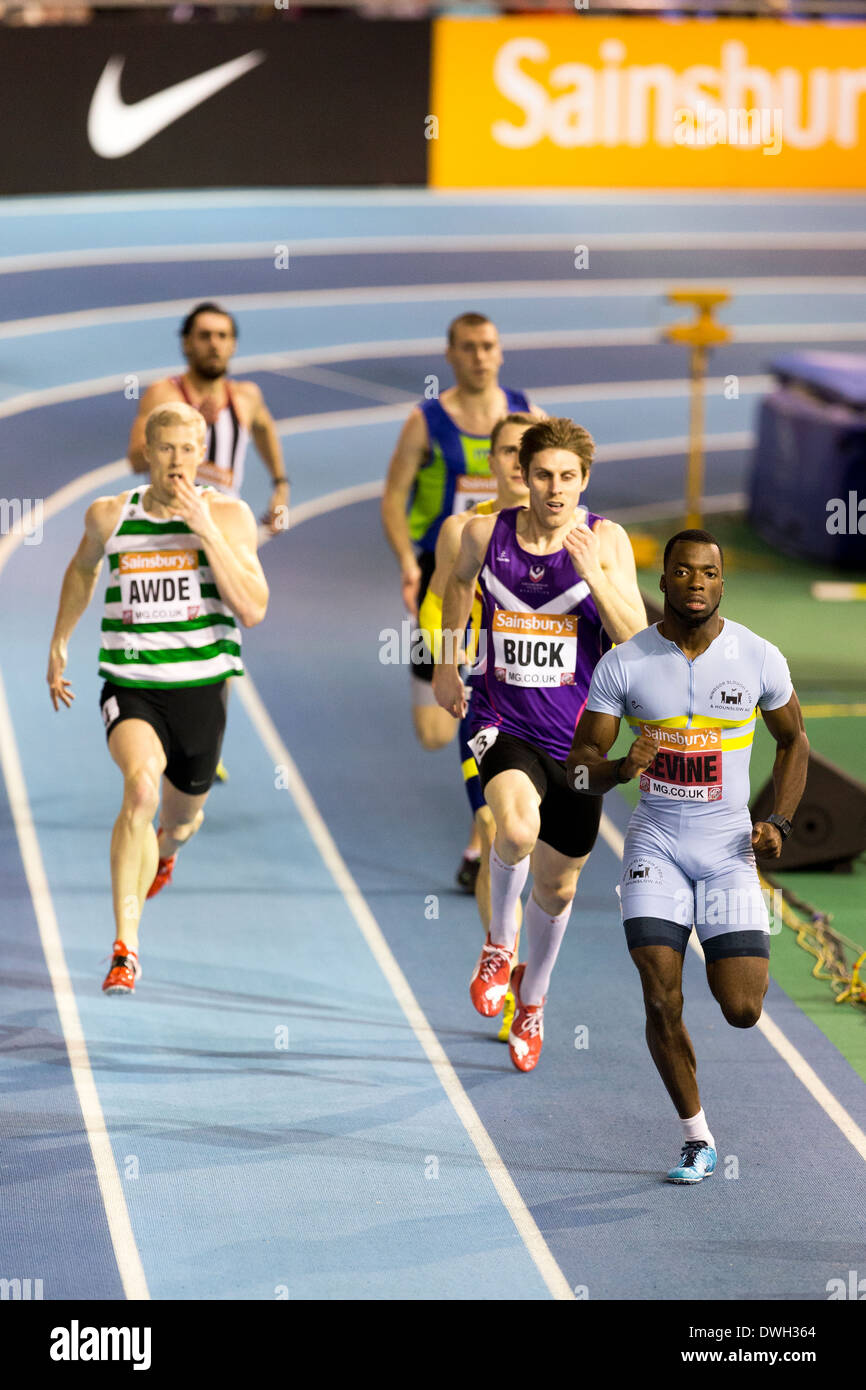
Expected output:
(439, 468)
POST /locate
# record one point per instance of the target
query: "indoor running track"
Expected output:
(300, 1101)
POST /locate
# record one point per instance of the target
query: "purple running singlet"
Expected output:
(541, 637)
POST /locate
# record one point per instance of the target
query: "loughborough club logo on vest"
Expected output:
(731, 698)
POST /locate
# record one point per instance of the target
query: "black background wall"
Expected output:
(336, 100)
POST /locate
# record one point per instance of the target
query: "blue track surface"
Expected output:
(249, 1167)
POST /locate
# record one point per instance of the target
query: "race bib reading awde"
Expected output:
(688, 765)
(159, 586)
(534, 649)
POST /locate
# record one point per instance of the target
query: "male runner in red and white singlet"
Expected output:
(232, 410)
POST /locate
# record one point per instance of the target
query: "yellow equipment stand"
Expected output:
(700, 335)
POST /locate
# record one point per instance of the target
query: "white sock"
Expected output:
(506, 885)
(544, 937)
(697, 1128)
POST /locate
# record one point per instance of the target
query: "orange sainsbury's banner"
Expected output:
(574, 100)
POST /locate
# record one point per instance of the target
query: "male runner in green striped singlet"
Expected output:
(183, 575)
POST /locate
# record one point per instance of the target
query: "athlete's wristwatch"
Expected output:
(783, 826)
(619, 765)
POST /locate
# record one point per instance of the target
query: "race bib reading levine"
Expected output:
(159, 586)
(471, 488)
(688, 765)
(534, 649)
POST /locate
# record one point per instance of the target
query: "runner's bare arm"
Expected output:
(430, 609)
(229, 537)
(267, 442)
(447, 550)
(604, 558)
(456, 609)
(460, 588)
(403, 469)
(158, 394)
(789, 771)
(79, 581)
(587, 767)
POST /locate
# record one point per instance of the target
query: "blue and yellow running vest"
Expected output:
(452, 456)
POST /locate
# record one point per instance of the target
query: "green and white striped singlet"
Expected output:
(164, 623)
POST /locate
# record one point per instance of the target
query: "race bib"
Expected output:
(209, 472)
(482, 741)
(159, 586)
(110, 711)
(535, 650)
(688, 765)
(472, 488)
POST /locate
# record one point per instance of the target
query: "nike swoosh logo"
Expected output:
(115, 128)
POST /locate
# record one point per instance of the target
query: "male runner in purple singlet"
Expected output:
(558, 586)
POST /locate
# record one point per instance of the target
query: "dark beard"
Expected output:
(210, 373)
(691, 619)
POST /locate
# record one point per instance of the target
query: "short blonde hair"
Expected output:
(174, 414)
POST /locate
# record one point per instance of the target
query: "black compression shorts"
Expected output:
(189, 722)
(569, 819)
(422, 661)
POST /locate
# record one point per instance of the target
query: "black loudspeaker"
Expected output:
(829, 829)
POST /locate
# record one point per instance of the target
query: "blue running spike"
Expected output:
(697, 1161)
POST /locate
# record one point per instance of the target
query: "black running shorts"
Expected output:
(569, 819)
(189, 722)
(422, 661)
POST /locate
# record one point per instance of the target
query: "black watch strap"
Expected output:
(783, 826)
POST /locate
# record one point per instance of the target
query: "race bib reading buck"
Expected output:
(470, 489)
(159, 586)
(688, 765)
(534, 649)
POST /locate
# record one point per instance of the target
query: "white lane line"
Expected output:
(333, 501)
(367, 492)
(425, 243)
(352, 385)
(129, 1263)
(119, 471)
(592, 393)
(372, 933)
(126, 1253)
(365, 295)
(774, 1035)
(418, 347)
(100, 204)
